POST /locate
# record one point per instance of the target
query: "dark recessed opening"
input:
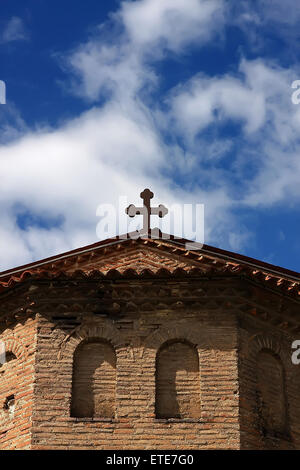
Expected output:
(9, 403)
(9, 356)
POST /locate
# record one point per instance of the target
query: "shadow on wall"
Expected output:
(94, 380)
(177, 381)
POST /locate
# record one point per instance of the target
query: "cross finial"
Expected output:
(146, 211)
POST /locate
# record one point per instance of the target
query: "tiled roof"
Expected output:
(124, 257)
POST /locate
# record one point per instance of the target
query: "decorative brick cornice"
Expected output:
(150, 258)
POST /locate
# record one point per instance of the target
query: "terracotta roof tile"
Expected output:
(122, 258)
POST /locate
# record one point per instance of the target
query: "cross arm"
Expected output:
(161, 211)
(132, 210)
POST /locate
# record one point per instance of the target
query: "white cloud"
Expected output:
(109, 151)
(149, 29)
(108, 69)
(278, 178)
(118, 149)
(260, 99)
(172, 22)
(12, 125)
(93, 159)
(261, 95)
(14, 30)
(203, 101)
(287, 12)
(260, 18)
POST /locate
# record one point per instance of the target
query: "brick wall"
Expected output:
(17, 385)
(201, 345)
(272, 406)
(115, 350)
(269, 388)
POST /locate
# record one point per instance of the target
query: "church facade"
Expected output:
(142, 344)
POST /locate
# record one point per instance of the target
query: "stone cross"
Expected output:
(146, 211)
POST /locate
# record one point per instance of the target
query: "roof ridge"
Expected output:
(163, 241)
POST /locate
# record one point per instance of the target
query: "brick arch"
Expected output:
(261, 341)
(15, 346)
(86, 332)
(200, 338)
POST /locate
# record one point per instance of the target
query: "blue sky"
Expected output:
(191, 99)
